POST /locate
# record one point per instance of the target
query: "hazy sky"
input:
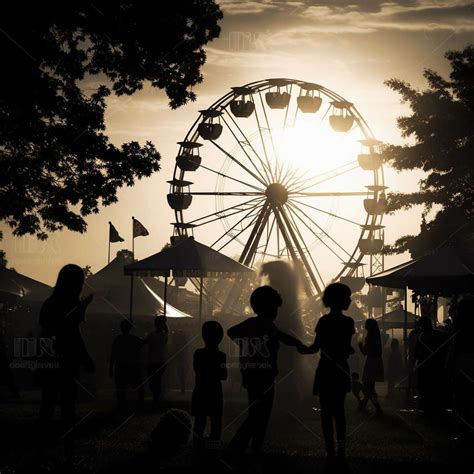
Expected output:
(349, 47)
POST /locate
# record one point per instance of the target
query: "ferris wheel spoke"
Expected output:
(308, 253)
(289, 176)
(291, 242)
(284, 234)
(262, 139)
(311, 229)
(245, 140)
(250, 172)
(306, 216)
(284, 173)
(252, 214)
(326, 212)
(268, 236)
(304, 182)
(222, 213)
(282, 247)
(287, 109)
(230, 177)
(226, 216)
(285, 170)
(235, 236)
(256, 225)
(265, 166)
(302, 194)
(298, 243)
(249, 250)
(269, 129)
(324, 180)
(225, 193)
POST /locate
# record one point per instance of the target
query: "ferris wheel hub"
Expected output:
(276, 193)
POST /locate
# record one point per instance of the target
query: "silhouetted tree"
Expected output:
(3, 259)
(60, 61)
(87, 271)
(165, 247)
(125, 255)
(442, 128)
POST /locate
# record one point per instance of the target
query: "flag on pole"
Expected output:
(114, 236)
(139, 229)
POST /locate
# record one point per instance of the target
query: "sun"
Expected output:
(313, 147)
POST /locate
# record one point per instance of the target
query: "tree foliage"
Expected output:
(3, 259)
(61, 61)
(125, 255)
(87, 271)
(441, 126)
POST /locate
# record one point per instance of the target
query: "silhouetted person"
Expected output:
(63, 350)
(182, 358)
(394, 367)
(412, 340)
(462, 367)
(126, 364)
(6, 373)
(259, 341)
(333, 380)
(210, 368)
(157, 358)
(373, 367)
(430, 355)
(356, 386)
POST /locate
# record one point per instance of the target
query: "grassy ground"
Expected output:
(401, 440)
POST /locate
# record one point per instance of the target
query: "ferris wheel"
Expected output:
(284, 169)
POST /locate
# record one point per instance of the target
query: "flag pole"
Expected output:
(131, 298)
(405, 327)
(200, 301)
(165, 296)
(133, 239)
(131, 276)
(108, 256)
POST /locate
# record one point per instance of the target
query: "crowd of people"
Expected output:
(438, 360)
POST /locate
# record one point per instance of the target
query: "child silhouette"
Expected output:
(259, 340)
(332, 381)
(156, 343)
(210, 369)
(126, 364)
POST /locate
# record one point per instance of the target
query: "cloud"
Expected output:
(231, 7)
(363, 6)
(349, 16)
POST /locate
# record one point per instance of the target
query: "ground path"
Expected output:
(400, 441)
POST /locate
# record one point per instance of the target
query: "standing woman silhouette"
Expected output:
(332, 381)
(63, 351)
(373, 368)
